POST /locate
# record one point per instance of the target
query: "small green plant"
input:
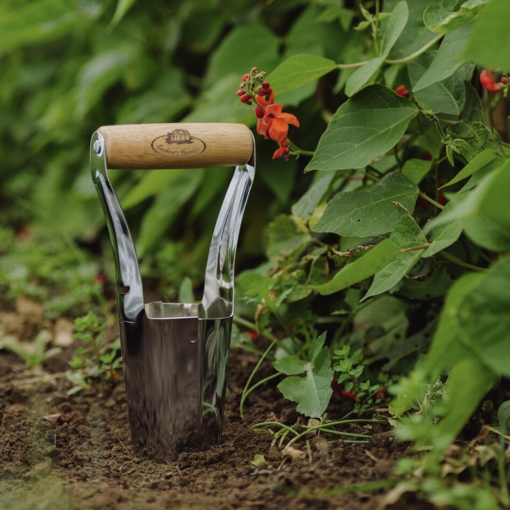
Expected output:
(33, 353)
(97, 361)
(351, 369)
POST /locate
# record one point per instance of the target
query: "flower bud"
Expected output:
(246, 76)
(266, 85)
(240, 92)
(245, 98)
(259, 111)
(488, 82)
(402, 91)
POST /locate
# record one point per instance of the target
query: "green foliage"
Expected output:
(380, 117)
(313, 391)
(35, 353)
(97, 361)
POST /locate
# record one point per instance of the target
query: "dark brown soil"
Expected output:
(84, 459)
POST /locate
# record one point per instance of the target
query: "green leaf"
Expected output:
(214, 185)
(392, 29)
(484, 317)
(483, 212)
(406, 234)
(290, 365)
(236, 50)
(443, 235)
(215, 104)
(38, 22)
(312, 392)
(152, 182)
(441, 20)
(370, 263)
(317, 346)
(122, 9)
(166, 206)
(448, 58)
(305, 206)
(477, 163)
(416, 169)
(98, 75)
(490, 40)
(472, 127)
(446, 96)
(415, 34)
(447, 346)
(435, 286)
(298, 71)
(369, 212)
(468, 383)
(364, 127)
(285, 237)
(186, 291)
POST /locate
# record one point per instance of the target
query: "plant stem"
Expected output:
(261, 382)
(415, 248)
(376, 27)
(296, 150)
(461, 263)
(431, 200)
(271, 423)
(417, 53)
(252, 375)
(403, 60)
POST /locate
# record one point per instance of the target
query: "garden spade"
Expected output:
(175, 355)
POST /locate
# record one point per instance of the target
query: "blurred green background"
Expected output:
(69, 67)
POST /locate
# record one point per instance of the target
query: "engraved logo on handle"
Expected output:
(178, 144)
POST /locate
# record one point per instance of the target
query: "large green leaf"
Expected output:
(364, 267)
(490, 40)
(366, 126)
(298, 71)
(484, 317)
(447, 96)
(447, 346)
(369, 212)
(406, 234)
(448, 59)
(392, 28)
(312, 392)
(439, 19)
(290, 365)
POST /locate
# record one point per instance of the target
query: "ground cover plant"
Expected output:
(372, 297)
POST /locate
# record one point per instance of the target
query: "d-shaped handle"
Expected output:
(160, 146)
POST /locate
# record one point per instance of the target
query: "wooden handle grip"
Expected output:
(158, 146)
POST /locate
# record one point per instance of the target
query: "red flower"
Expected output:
(275, 123)
(282, 152)
(488, 82)
(252, 334)
(402, 91)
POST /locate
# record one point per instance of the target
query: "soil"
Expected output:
(81, 458)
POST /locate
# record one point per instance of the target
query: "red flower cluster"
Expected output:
(272, 122)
